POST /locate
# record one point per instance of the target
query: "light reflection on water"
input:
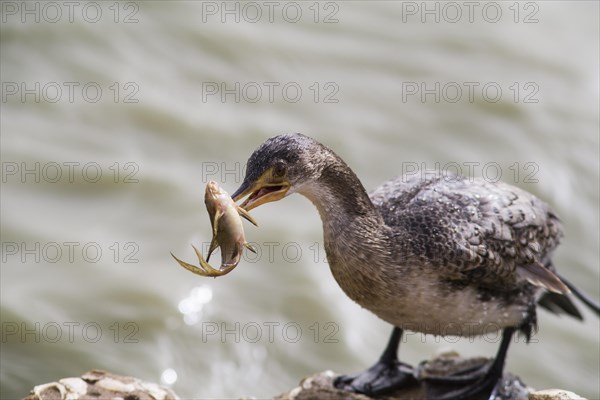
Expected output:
(168, 377)
(173, 136)
(191, 306)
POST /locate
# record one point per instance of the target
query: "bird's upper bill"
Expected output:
(265, 189)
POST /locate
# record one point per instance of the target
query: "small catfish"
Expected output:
(228, 233)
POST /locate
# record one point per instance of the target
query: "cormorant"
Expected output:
(445, 255)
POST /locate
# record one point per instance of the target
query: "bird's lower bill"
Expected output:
(261, 193)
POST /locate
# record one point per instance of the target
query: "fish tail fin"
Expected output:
(192, 268)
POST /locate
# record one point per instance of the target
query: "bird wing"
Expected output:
(472, 229)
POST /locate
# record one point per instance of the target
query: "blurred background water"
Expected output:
(116, 114)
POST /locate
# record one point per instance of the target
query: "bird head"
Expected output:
(279, 167)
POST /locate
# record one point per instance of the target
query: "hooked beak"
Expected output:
(263, 190)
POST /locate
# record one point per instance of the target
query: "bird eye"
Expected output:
(279, 169)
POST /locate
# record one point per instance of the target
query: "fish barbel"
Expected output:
(228, 233)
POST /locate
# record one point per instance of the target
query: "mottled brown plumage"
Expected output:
(472, 229)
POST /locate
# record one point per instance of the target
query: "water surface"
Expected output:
(375, 83)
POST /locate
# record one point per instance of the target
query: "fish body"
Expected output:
(228, 232)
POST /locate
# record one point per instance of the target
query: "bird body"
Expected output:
(444, 255)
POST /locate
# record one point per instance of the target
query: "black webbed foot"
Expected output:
(380, 379)
(482, 381)
(387, 375)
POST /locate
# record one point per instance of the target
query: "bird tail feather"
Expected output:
(584, 297)
(559, 303)
(537, 274)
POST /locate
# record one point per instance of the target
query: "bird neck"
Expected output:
(349, 217)
(356, 238)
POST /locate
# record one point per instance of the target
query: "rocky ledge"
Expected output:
(100, 385)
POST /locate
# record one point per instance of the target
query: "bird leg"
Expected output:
(474, 383)
(387, 375)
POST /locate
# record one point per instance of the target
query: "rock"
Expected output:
(96, 384)
(554, 394)
(319, 386)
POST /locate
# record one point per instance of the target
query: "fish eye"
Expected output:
(279, 169)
